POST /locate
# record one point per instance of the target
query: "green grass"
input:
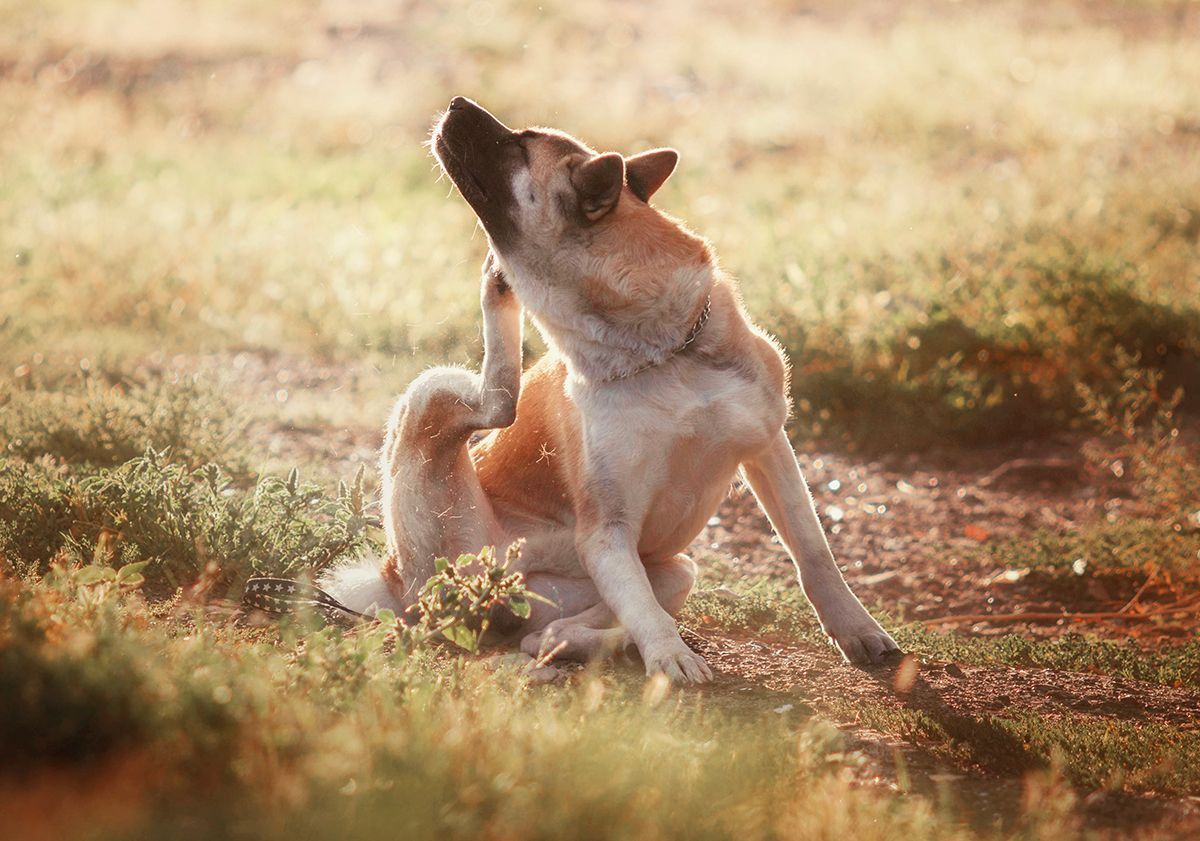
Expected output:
(1136, 545)
(1091, 753)
(1139, 434)
(1097, 755)
(1169, 665)
(98, 424)
(358, 736)
(210, 729)
(1000, 355)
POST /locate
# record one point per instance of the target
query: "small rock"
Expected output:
(953, 670)
(542, 675)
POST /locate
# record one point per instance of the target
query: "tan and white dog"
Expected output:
(609, 455)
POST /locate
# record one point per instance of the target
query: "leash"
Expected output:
(280, 596)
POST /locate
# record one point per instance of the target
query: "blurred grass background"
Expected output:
(951, 212)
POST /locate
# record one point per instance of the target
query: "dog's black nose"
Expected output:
(459, 102)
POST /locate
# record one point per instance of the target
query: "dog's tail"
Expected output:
(359, 585)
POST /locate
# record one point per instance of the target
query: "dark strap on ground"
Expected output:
(285, 595)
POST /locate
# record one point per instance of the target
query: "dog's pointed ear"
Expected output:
(598, 181)
(647, 171)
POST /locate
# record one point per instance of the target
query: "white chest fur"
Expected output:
(664, 446)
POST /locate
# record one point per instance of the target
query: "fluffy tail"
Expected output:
(359, 585)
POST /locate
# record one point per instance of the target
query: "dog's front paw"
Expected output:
(678, 662)
(863, 643)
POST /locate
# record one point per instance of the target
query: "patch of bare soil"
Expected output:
(986, 780)
(912, 537)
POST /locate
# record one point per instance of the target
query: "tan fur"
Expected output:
(626, 434)
(528, 465)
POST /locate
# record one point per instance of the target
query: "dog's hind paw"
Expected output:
(678, 662)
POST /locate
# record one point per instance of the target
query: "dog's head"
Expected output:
(539, 191)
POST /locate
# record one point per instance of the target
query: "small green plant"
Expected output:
(459, 601)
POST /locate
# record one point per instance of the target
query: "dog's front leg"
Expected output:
(609, 553)
(502, 328)
(776, 480)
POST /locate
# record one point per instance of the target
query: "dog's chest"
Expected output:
(670, 453)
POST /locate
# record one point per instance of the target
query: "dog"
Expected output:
(609, 455)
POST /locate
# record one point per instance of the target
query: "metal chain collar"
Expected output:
(691, 337)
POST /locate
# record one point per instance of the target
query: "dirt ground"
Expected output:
(791, 679)
(911, 533)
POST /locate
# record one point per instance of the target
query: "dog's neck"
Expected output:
(632, 306)
(603, 346)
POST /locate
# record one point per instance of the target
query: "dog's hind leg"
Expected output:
(591, 633)
(433, 504)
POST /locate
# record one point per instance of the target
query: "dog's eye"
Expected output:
(532, 198)
(519, 143)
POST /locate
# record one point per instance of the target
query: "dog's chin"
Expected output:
(471, 190)
(444, 154)
(468, 183)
